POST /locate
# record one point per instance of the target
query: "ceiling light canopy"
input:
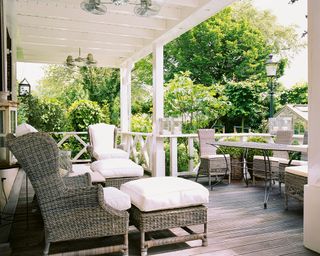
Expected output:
(141, 7)
(80, 61)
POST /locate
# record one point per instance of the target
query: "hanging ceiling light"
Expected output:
(142, 7)
(80, 61)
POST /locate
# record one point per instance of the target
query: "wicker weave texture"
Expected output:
(259, 167)
(294, 186)
(117, 182)
(170, 218)
(69, 210)
(283, 137)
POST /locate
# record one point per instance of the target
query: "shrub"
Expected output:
(45, 114)
(82, 113)
(141, 123)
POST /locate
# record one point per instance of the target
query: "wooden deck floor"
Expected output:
(238, 225)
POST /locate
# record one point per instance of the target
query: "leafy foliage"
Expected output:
(198, 105)
(82, 113)
(232, 45)
(44, 114)
(247, 106)
(141, 123)
(298, 94)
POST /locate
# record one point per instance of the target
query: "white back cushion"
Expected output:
(24, 128)
(102, 137)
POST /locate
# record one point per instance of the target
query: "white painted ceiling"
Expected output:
(49, 30)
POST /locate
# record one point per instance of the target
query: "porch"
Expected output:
(238, 225)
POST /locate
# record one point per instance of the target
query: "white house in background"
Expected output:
(299, 115)
(47, 31)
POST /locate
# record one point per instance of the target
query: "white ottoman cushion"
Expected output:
(160, 193)
(116, 199)
(113, 168)
(110, 153)
(298, 170)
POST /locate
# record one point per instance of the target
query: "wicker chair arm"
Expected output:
(88, 198)
(78, 181)
(121, 146)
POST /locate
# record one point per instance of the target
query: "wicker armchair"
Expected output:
(282, 137)
(211, 163)
(69, 210)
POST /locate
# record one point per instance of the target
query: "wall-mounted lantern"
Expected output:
(24, 87)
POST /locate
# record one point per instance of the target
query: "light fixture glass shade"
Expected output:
(80, 61)
(271, 67)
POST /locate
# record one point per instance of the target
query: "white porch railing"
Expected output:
(139, 146)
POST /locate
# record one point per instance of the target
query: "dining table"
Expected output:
(265, 148)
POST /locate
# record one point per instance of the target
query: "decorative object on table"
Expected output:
(74, 209)
(143, 8)
(170, 125)
(212, 164)
(271, 70)
(24, 88)
(80, 61)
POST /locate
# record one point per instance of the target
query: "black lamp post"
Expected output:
(271, 69)
(24, 87)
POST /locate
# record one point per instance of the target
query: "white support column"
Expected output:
(312, 190)
(191, 154)
(158, 154)
(125, 96)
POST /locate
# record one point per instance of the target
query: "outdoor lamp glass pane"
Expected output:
(271, 69)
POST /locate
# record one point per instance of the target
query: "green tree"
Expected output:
(82, 113)
(298, 94)
(230, 46)
(198, 105)
(247, 105)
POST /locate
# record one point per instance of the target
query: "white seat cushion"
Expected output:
(80, 169)
(215, 156)
(293, 162)
(112, 168)
(271, 158)
(160, 193)
(298, 170)
(110, 153)
(116, 199)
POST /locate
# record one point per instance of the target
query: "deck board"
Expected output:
(238, 225)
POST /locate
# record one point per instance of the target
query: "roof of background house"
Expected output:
(299, 109)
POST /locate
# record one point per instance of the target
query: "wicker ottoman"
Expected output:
(167, 202)
(117, 171)
(295, 179)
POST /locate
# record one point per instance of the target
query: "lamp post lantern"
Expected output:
(271, 69)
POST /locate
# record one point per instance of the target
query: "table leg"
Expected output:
(267, 188)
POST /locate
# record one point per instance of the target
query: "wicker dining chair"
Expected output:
(282, 137)
(212, 164)
(71, 209)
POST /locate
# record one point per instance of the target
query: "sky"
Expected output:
(287, 14)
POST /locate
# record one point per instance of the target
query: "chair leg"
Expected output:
(205, 239)
(253, 180)
(47, 245)
(210, 182)
(125, 251)
(46, 248)
(285, 200)
(197, 176)
(144, 249)
(229, 177)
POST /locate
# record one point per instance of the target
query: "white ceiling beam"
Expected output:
(64, 34)
(111, 19)
(36, 40)
(25, 22)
